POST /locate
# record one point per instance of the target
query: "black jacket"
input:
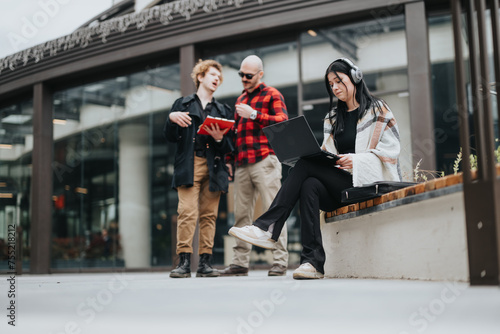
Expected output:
(184, 137)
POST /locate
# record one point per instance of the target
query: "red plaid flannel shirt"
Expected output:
(251, 143)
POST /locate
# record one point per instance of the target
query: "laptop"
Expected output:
(293, 139)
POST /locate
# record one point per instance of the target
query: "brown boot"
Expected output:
(277, 270)
(234, 270)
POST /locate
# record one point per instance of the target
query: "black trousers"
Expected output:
(318, 186)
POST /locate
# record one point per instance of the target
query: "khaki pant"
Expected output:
(197, 203)
(264, 178)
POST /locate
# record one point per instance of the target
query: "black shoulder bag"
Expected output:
(372, 190)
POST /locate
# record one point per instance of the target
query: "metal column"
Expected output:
(483, 194)
(419, 86)
(188, 58)
(41, 196)
(187, 61)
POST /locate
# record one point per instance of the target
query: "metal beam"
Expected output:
(341, 43)
(463, 112)
(419, 86)
(272, 17)
(481, 195)
(486, 156)
(41, 192)
(187, 56)
(495, 28)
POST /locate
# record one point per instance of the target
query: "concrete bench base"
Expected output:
(424, 240)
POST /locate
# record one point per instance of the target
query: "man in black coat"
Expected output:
(200, 173)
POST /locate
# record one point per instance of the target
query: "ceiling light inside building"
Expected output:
(81, 190)
(16, 119)
(94, 88)
(312, 33)
(151, 87)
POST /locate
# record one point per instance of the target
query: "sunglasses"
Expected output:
(246, 75)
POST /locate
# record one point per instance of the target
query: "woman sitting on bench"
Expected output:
(363, 131)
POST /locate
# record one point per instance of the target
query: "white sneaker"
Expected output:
(253, 235)
(307, 271)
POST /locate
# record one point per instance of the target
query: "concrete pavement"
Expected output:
(116, 303)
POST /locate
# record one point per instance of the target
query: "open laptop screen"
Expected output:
(293, 139)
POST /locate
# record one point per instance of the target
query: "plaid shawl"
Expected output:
(377, 147)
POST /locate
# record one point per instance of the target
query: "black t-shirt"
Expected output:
(346, 141)
(200, 143)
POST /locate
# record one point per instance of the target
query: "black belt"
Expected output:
(200, 154)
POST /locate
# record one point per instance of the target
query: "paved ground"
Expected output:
(154, 303)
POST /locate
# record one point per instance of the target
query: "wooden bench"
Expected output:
(418, 232)
(431, 185)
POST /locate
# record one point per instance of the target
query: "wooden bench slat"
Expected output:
(353, 207)
(378, 201)
(430, 185)
(389, 197)
(454, 179)
(401, 193)
(342, 210)
(409, 191)
(440, 182)
(419, 188)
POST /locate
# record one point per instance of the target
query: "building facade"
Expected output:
(84, 168)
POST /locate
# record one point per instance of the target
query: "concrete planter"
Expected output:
(420, 237)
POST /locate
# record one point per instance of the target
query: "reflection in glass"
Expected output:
(446, 118)
(16, 143)
(112, 196)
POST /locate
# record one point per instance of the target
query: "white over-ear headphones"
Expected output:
(356, 74)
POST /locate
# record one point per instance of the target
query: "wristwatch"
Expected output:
(253, 115)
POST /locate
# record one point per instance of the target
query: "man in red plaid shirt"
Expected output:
(257, 169)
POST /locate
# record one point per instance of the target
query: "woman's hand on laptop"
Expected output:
(345, 161)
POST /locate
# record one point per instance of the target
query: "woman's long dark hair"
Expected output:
(363, 96)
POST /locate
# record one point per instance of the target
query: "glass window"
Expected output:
(378, 48)
(446, 123)
(113, 205)
(446, 119)
(16, 143)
